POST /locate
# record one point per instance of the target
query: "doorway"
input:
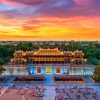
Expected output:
(48, 69)
(57, 69)
(38, 69)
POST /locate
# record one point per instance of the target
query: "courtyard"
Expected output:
(46, 92)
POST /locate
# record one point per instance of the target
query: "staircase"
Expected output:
(87, 79)
(9, 80)
(49, 79)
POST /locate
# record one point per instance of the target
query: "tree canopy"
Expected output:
(91, 50)
(97, 73)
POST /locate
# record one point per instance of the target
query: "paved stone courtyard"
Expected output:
(50, 90)
(49, 93)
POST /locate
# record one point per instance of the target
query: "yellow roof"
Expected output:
(48, 52)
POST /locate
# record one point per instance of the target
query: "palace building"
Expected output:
(49, 61)
(48, 56)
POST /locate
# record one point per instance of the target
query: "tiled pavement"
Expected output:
(49, 93)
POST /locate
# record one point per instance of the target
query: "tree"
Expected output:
(97, 73)
(75, 46)
(97, 54)
(2, 61)
(1, 69)
(93, 60)
(97, 45)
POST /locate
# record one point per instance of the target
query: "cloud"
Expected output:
(67, 8)
(22, 2)
(56, 8)
(50, 19)
(57, 28)
(18, 37)
(24, 12)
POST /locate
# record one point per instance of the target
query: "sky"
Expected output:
(49, 19)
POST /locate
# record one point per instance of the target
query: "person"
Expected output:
(36, 87)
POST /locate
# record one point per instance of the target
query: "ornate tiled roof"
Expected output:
(48, 52)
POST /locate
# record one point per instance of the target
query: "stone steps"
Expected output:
(49, 79)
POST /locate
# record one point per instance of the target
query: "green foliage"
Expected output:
(6, 53)
(2, 61)
(97, 54)
(97, 45)
(97, 73)
(1, 69)
(93, 60)
(91, 49)
(26, 46)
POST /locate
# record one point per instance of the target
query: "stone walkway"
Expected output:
(49, 93)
